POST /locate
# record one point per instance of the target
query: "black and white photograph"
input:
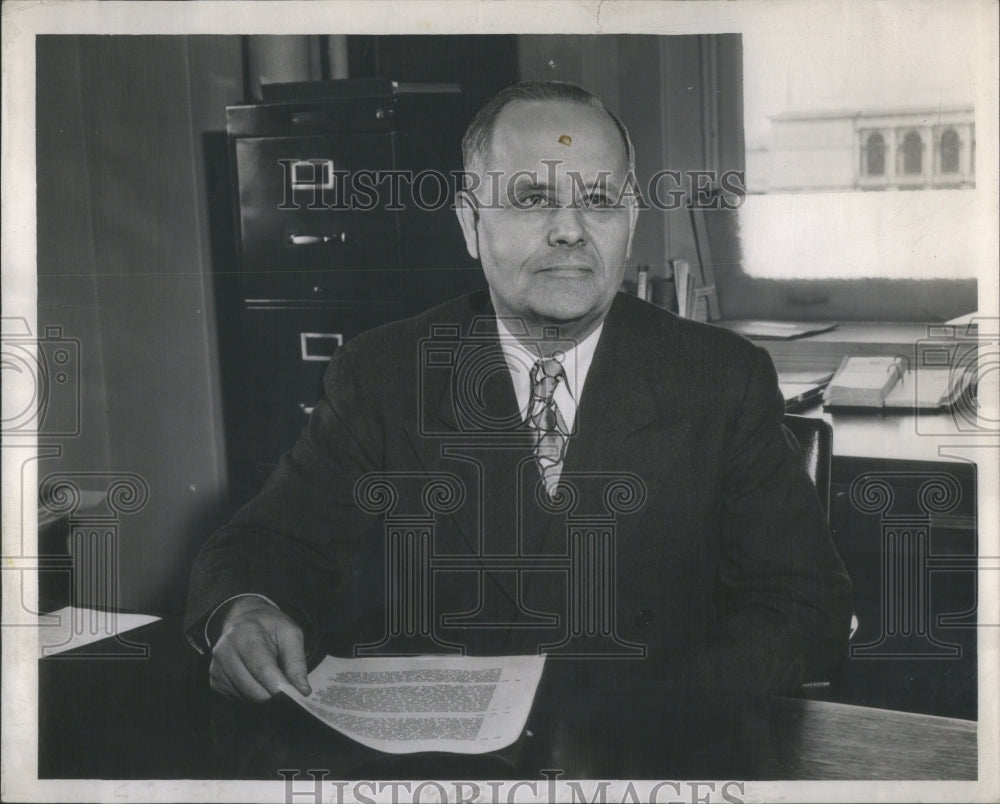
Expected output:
(501, 401)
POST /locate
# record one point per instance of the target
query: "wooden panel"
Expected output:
(128, 259)
(67, 283)
(914, 586)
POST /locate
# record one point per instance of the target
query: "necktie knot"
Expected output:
(545, 376)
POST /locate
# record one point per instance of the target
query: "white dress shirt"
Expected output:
(575, 362)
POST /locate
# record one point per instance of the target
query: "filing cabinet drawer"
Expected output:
(287, 351)
(304, 205)
(312, 285)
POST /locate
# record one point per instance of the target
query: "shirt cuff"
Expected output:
(208, 620)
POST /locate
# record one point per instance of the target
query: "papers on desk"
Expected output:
(71, 627)
(776, 330)
(802, 389)
(461, 704)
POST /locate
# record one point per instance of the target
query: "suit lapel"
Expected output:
(474, 429)
(628, 421)
(619, 401)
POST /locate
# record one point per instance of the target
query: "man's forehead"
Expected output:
(573, 134)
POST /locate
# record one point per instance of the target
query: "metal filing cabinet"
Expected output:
(330, 244)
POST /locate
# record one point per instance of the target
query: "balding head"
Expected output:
(479, 136)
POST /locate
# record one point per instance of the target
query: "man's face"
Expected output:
(548, 232)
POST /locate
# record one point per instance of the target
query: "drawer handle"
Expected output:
(312, 240)
(312, 345)
(306, 409)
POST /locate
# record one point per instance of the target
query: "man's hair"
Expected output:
(479, 134)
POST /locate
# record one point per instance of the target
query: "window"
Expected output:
(913, 154)
(949, 151)
(875, 155)
(826, 120)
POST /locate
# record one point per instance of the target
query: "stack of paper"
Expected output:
(802, 389)
(465, 705)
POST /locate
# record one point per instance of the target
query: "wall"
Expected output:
(124, 266)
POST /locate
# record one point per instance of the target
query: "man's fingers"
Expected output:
(245, 676)
(292, 657)
(220, 682)
(259, 651)
(233, 681)
(260, 656)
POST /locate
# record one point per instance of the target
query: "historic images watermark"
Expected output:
(311, 787)
(42, 408)
(41, 382)
(960, 362)
(482, 448)
(318, 184)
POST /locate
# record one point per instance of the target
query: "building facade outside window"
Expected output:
(875, 155)
(913, 153)
(949, 151)
(865, 149)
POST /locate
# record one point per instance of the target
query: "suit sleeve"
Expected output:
(785, 597)
(294, 542)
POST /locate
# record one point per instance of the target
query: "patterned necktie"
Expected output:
(545, 419)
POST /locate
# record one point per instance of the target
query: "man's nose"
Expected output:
(566, 227)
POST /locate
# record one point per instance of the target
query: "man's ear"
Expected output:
(468, 219)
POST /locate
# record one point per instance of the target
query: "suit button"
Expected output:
(643, 618)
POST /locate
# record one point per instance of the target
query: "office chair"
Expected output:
(815, 441)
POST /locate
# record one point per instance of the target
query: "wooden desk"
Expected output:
(933, 667)
(824, 351)
(838, 741)
(155, 718)
(911, 555)
(927, 437)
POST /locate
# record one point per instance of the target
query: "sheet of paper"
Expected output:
(804, 377)
(778, 330)
(461, 704)
(70, 627)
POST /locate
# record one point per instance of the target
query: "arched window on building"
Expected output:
(875, 155)
(913, 154)
(949, 151)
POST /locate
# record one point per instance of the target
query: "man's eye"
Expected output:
(533, 199)
(599, 201)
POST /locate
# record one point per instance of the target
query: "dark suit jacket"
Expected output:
(693, 537)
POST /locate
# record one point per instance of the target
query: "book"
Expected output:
(888, 383)
(642, 282)
(934, 389)
(864, 381)
(693, 297)
(682, 278)
(662, 292)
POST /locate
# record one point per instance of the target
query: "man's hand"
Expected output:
(259, 649)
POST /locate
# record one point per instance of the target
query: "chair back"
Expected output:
(815, 440)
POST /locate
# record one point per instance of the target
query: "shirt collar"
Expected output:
(576, 363)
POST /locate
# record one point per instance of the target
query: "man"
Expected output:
(724, 575)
